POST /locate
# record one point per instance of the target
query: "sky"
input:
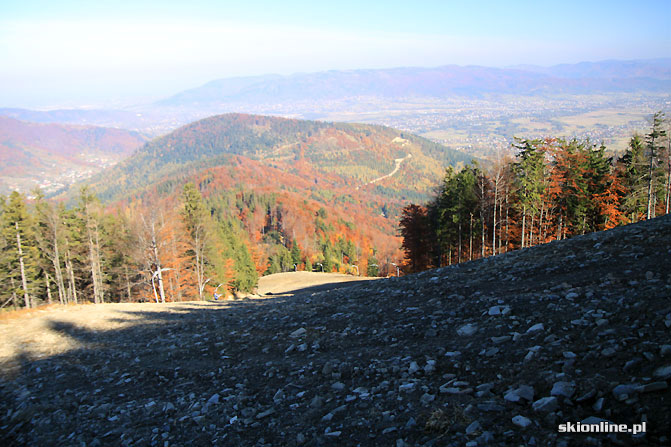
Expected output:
(72, 53)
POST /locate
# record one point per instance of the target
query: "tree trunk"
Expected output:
(178, 291)
(130, 298)
(15, 299)
(496, 199)
(482, 242)
(157, 261)
(531, 230)
(459, 252)
(71, 274)
(507, 229)
(94, 270)
(650, 204)
(198, 243)
(540, 236)
(58, 271)
(24, 282)
(499, 239)
(470, 241)
(524, 218)
(46, 278)
(101, 289)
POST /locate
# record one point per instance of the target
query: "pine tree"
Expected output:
(414, 228)
(89, 209)
(295, 254)
(530, 185)
(195, 218)
(654, 148)
(373, 268)
(22, 254)
(632, 172)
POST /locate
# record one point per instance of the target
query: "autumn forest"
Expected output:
(553, 189)
(207, 210)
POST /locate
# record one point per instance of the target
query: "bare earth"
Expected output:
(38, 334)
(291, 281)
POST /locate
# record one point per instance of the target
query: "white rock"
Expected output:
(535, 328)
(298, 333)
(467, 330)
(565, 389)
(663, 371)
(521, 421)
(546, 404)
(498, 310)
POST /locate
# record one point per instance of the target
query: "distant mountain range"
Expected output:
(444, 103)
(611, 69)
(317, 95)
(34, 154)
(439, 82)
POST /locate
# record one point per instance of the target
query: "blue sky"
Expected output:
(66, 53)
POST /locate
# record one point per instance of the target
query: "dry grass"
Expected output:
(441, 421)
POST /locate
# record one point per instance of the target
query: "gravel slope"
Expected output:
(493, 352)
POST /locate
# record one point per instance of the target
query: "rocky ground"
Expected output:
(493, 352)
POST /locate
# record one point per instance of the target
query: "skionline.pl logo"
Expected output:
(602, 427)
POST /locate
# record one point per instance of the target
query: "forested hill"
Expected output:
(351, 154)
(209, 207)
(33, 154)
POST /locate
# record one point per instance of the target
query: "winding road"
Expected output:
(398, 162)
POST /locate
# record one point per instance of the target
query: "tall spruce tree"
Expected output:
(655, 148)
(22, 255)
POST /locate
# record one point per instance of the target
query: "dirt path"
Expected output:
(398, 162)
(41, 333)
(291, 281)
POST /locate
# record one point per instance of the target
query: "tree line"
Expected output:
(164, 247)
(146, 250)
(553, 189)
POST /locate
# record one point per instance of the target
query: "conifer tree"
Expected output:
(373, 268)
(195, 218)
(89, 209)
(21, 261)
(654, 148)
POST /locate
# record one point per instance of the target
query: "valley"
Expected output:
(54, 156)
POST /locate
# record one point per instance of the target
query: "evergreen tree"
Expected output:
(417, 238)
(195, 219)
(49, 234)
(530, 183)
(295, 253)
(89, 208)
(655, 175)
(373, 268)
(632, 171)
(21, 260)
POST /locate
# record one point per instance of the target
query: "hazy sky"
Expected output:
(95, 52)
